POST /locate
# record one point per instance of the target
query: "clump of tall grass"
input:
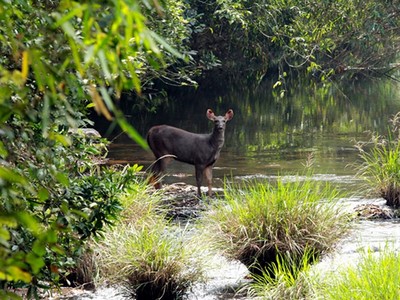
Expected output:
(146, 253)
(381, 164)
(376, 276)
(258, 222)
(152, 261)
(290, 280)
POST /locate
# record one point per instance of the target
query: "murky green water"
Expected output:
(271, 135)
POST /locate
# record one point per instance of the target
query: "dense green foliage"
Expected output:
(321, 37)
(58, 57)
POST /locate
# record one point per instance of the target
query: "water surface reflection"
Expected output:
(270, 135)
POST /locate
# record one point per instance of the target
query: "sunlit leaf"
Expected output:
(278, 83)
(25, 65)
(63, 179)
(9, 175)
(4, 234)
(15, 273)
(64, 19)
(99, 105)
(43, 194)
(29, 222)
(63, 139)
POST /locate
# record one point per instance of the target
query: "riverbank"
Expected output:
(373, 230)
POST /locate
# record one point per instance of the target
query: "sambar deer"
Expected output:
(200, 150)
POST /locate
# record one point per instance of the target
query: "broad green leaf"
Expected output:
(14, 273)
(9, 175)
(8, 220)
(3, 151)
(39, 248)
(43, 194)
(36, 262)
(29, 221)
(4, 234)
(63, 179)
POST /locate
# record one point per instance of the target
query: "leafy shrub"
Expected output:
(56, 57)
(259, 222)
(68, 199)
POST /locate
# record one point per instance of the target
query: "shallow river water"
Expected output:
(269, 137)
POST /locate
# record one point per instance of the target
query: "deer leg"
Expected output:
(208, 175)
(199, 179)
(157, 169)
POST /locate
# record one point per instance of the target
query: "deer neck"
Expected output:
(217, 138)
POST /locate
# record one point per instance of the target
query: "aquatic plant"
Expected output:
(375, 276)
(259, 223)
(145, 252)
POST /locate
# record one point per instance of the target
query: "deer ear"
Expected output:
(229, 115)
(210, 114)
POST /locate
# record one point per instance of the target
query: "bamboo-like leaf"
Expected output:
(104, 64)
(39, 70)
(45, 115)
(99, 103)
(128, 128)
(77, 12)
(11, 176)
(75, 56)
(163, 43)
(107, 99)
(25, 65)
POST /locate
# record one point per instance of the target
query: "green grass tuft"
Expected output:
(290, 280)
(257, 222)
(376, 276)
(152, 257)
(381, 168)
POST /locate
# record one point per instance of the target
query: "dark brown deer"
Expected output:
(200, 150)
